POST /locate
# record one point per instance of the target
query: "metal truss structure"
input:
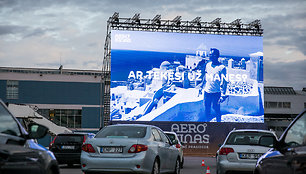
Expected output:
(157, 24)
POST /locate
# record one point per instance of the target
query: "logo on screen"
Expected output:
(123, 38)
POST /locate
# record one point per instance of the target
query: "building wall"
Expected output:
(42, 92)
(297, 103)
(58, 92)
(91, 118)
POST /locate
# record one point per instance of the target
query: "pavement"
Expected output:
(192, 165)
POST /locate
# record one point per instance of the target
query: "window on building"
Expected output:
(286, 105)
(272, 105)
(277, 104)
(305, 105)
(12, 91)
(71, 118)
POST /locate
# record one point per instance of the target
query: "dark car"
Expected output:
(288, 154)
(67, 147)
(18, 152)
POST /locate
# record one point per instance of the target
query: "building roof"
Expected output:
(50, 71)
(279, 90)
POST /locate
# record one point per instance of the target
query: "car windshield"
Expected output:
(171, 136)
(69, 139)
(7, 124)
(245, 138)
(122, 131)
(296, 135)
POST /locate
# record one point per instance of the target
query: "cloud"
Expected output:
(12, 29)
(285, 74)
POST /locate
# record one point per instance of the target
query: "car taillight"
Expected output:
(178, 146)
(50, 145)
(225, 150)
(136, 148)
(88, 148)
(84, 139)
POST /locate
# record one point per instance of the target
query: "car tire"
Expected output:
(155, 169)
(182, 163)
(177, 168)
(89, 172)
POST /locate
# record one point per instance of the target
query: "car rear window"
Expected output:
(245, 138)
(69, 139)
(171, 136)
(122, 131)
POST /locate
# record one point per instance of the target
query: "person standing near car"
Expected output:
(214, 84)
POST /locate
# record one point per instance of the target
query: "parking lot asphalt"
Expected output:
(193, 165)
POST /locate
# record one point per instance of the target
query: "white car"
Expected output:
(241, 150)
(130, 148)
(177, 143)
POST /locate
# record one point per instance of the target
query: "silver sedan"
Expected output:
(130, 148)
(241, 149)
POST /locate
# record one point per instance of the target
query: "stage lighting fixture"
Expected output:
(217, 23)
(176, 21)
(255, 24)
(196, 21)
(156, 20)
(136, 19)
(236, 23)
(115, 17)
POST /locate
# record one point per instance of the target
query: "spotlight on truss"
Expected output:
(176, 21)
(115, 17)
(135, 18)
(255, 24)
(156, 20)
(236, 23)
(217, 22)
(196, 21)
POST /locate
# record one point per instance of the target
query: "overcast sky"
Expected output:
(47, 33)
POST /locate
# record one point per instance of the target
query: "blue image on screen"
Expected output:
(159, 76)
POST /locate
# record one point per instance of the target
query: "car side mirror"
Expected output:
(268, 141)
(37, 131)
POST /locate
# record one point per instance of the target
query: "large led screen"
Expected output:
(159, 76)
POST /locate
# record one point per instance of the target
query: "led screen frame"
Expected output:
(158, 76)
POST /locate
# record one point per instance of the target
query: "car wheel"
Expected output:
(49, 171)
(177, 168)
(155, 169)
(89, 172)
(182, 163)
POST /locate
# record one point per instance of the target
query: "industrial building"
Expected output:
(70, 98)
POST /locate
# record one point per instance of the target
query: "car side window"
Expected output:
(156, 135)
(8, 124)
(296, 135)
(164, 138)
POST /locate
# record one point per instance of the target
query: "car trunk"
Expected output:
(246, 153)
(113, 147)
(68, 144)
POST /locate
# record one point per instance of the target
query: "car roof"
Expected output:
(72, 134)
(170, 132)
(132, 125)
(251, 130)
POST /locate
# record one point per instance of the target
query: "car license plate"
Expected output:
(111, 150)
(67, 147)
(250, 155)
